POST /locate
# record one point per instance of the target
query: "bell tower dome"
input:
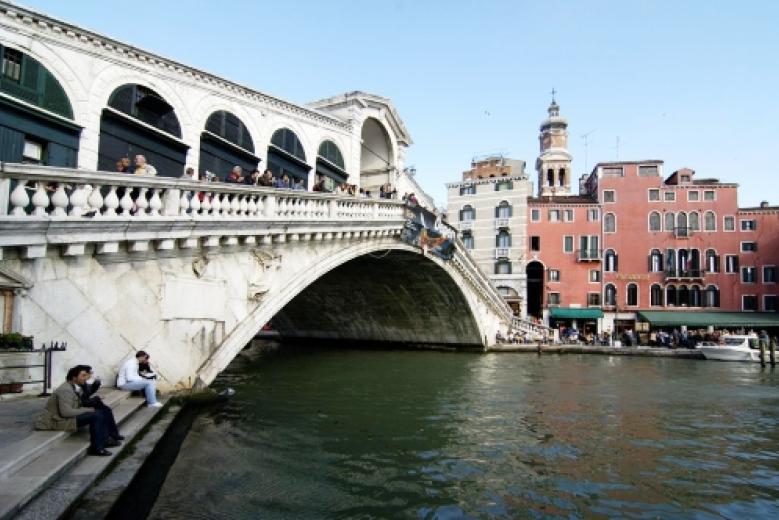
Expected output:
(554, 162)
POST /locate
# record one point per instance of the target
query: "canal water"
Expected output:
(399, 434)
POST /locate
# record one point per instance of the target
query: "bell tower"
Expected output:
(554, 162)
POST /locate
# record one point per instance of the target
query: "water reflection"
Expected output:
(352, 434)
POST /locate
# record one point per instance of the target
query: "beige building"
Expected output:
(488, 207)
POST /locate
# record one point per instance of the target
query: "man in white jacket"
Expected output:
(130, 379)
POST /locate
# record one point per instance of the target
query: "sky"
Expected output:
(692, 83)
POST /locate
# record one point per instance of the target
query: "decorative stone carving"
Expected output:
(200, 264)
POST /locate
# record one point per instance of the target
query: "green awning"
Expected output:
(575, 313)
(706, 318)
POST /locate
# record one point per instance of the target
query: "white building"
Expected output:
(489, 208)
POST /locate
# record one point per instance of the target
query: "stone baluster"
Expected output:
(375, 211)
(332, 208)
(40, 200)
(60, 201)
(78, 201)
(226, 206)
(127, 202)
(95, 201)
(194, 204)
(235, 205)
(141, 203)
(184, 203)
(260, 208)
(171, 202)
(111, 202)
(216, 204)
(155, 203)
(269, 206)
(19, 199)
(206, 204)
(243, 205)
(251, 206)
(281, 211)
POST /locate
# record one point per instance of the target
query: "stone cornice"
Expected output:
(39, 26)
(489, 180)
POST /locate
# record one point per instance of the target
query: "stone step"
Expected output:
(44, 467)
(18, 454)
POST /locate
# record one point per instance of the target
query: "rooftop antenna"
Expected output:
(586, 138)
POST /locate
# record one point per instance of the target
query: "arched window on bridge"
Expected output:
(656, 295)
(467, 213)
(632, 294)
(287, 157)
(503, 210)
(36, 117)
(138, 121)
(502, 266)
(610, 295)
(224, 143)
(330, 165)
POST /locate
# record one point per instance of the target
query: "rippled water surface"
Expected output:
(396, 434)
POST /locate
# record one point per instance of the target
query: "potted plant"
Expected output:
(11, 341)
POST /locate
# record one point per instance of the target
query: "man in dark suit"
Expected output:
(90, 399)
(63, 411)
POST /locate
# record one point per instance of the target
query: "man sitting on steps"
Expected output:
(130, 379)
(64, 412)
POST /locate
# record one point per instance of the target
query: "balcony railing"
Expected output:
(683, 232)
(501, 223)
(502, 252)
(680, 274)
(466, 225)
(588, 255)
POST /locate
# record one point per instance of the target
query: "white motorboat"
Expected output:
(733, 348)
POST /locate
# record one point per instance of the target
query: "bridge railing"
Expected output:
(42, 191)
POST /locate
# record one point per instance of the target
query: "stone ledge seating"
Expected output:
(30, 466)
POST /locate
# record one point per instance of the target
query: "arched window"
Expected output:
(467, 213)
(138, 121)
(610, 261)
(330, 165)
(562, 177)
(632, 292)
(670, 261)
(467, 239)
(670, 221)
(286, 156)
(226, 143)
(711, 296)
(28, 132)
(503, 210)
(670, 295)
(712, 261)
(695, 221)
(503, 239)
(683, 296)
(610, 295)
(655, 261)
(550, 177)
(683, 257)
(503, 266)
(654, 221)
(694, 264)
(656, 295)
(695, 296)
(609, 223)
(710, 221)
(681, 220)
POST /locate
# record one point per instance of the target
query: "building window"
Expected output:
(769, 274)
(613, 170)
(632, 298)
(670, 221)
(554, 275)
(609, 223)
(588, 247)
(748, 274)
(693, 196)
(593, 299)
(729, 223)
(694, 221)
(568, 244)
(655, 261)
(467, 239)
(654, 221)
(711, 296)
(32, 153)
(669, 196)
(535, 243)
(769, 303)
(554, 215)
(610, 295)
(656, 295)
(654, 195)
(568, 215)
(594, 275)
(748, 247)
(554, 298)
(650, 170)
(712, 261)
(467, 213)
(748, 225)
(535, 215)
(731, 264)
(503, 266)
(670, 295)
(610, 261)
(503, 210)
(710, 221)
(748, 302)
(709, 195)
(609, 196)
(593, 215)
(12, 64)
(503, 239)
(503, 185)
(468, 189)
